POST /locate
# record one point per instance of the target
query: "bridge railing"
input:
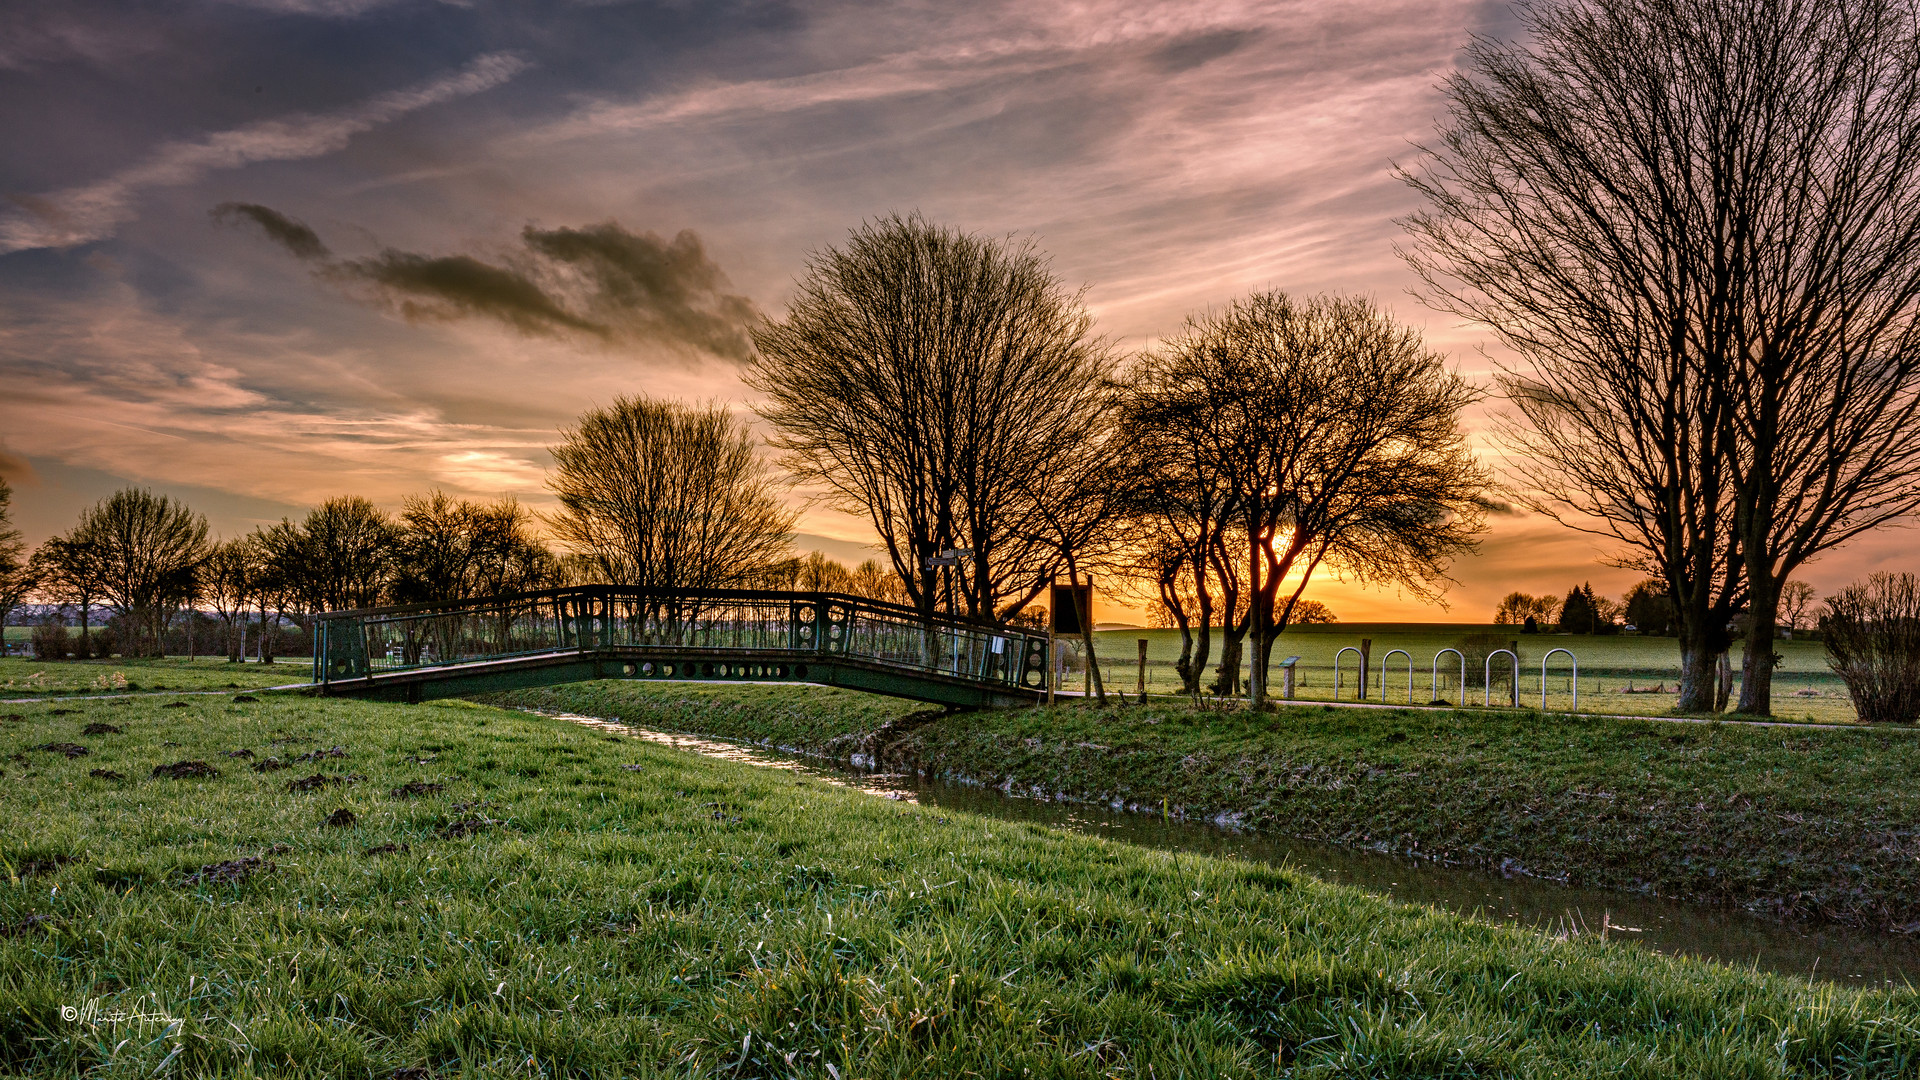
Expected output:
(361, 644)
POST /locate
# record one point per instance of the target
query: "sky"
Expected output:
(256, 253)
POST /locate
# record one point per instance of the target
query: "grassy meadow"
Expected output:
(455, 890)
(1816, 824)
(1804, 687)
(24, 678)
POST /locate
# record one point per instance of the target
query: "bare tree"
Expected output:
(347, 547)
(663, 495)
(147, 550)
(449, 549)
(1796, 599)
(920, 376)
(18, 575)
(230, 580)
(68, 572)
(1182, 495)
(284, 583)
(1517, 607)
(1337, 434)
(1698, 224)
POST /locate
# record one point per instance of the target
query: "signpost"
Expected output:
(1070, 612)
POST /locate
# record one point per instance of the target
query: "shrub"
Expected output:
(1872, 631)
(1476, 648)
(50, 639)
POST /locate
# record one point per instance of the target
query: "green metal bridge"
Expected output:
(553, 636)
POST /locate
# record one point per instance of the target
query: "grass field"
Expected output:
(1804, 687)
(567, 905)
(1813, 824)
(32, 678)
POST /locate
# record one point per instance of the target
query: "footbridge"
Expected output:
(422, 651)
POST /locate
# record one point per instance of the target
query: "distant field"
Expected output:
(28, 678)
(1804, 688)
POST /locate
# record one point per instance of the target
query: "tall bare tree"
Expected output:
(1698, 224)
(147, 550)
(1337, 436)
(1182, 495)
(920, 376)
(663, 495)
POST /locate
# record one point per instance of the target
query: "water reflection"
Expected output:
(1839, 954)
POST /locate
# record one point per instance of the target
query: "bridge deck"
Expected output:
(607, 632)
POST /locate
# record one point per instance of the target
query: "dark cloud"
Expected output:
(299, 240)
(646, 287)
(449, 287)
(1194, 50)
(599, 282)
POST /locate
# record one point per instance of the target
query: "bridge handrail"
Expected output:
(353, 644)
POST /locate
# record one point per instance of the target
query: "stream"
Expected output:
(1833, 953)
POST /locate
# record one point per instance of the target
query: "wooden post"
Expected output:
(1142, 688)
(1366, 664)
(1053, 665)
(1515, 646)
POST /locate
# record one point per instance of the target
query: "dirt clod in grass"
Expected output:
(184, 770)
(389, 849)
(428, 760)
(411, 1072)
(467, 827)
(45, 865)
(240, 753)
(244, 699)
(71, 750)
(60, 712)
(231, 872)
(174, 705)
(105, 774)
(321, 780)
(322, 755)
(101, 729)
(16, 716)
(280, 849)
(272, 764)
(634, 768)
(342, 818)
(415, 789)
(28, 925)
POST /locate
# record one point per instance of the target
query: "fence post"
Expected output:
(1142, 688)
(1366, 658)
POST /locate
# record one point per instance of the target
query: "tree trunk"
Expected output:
(1763, 623)
(1259, 615)
(1227, 677)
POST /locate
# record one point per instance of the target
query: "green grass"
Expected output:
(693, 917)
(35, 678)
(1814, 824)
(1804, 687)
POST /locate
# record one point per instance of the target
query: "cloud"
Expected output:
(16, 469)
(299, 240)
(647, 288)
(92, 212)
(599, 283)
